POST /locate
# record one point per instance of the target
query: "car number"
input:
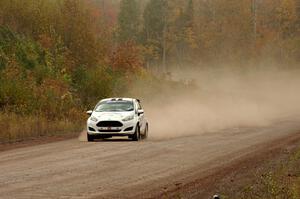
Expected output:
(109, 128)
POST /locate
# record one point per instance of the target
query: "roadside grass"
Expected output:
(279, 182)
(16, 128)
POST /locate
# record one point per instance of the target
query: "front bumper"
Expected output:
(127, 128)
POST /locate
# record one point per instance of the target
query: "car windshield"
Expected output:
(114, 106)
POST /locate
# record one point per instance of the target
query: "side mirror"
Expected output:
(140, 111)
(89, 112)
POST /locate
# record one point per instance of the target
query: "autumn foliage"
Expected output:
(59, 57)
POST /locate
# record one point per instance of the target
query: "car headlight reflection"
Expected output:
(94, 119)
(128, 118)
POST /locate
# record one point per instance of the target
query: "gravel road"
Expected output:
(119, 168)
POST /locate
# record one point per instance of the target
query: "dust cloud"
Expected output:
(223, 100)
(82, 136)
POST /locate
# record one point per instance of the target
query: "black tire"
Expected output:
(90, 138)
(145, 135)
(136, 136)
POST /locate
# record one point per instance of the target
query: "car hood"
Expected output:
(111, 115)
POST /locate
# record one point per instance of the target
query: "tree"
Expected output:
(298, 27)
(298, 13)
(128, 21)
(186, 41)
(254, 16)
(287, 31)
(154, 33)
(78, 32)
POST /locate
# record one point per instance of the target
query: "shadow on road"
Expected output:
(113, 140)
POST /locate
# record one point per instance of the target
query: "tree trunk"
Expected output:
(164, 49)
(254, 15)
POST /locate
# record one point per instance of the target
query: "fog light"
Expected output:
(129, 129)
(91, 129)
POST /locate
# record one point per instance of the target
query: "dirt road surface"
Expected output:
(123, 169)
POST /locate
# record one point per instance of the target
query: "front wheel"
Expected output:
(90, 138)
(136, 135)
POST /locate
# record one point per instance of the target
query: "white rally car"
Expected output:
(117, 117)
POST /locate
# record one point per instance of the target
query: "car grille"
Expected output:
(109, 124)
(109, 131)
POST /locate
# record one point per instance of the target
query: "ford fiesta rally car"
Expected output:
(117, 117)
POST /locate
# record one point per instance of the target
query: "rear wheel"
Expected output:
(136, 135)
(90, 138)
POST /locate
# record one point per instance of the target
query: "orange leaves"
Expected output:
(46, 41)
(56, 86)
(126, 57)
(190, 38)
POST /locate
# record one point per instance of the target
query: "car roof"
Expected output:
(118, 99)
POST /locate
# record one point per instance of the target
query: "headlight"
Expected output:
(128, 118)
(94, 119)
